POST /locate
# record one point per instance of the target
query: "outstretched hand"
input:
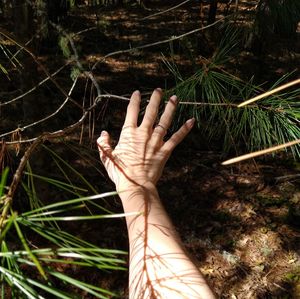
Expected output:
(141, 153)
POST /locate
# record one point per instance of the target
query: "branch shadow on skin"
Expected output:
(159, 266)
(156, 271)
(155, 275)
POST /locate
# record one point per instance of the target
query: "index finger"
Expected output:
(133, 110)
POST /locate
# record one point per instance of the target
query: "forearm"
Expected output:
(159, 266)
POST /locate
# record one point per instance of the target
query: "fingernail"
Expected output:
(174, 99)
(190, 122)
(137, 92)
(103, 133)
(158, 89)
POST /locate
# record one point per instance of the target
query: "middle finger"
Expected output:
(152, 109)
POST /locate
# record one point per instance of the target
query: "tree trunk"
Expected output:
(24, 31)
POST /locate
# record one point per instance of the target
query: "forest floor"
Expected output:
(240, 223)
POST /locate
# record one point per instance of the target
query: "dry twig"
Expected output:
(19, 97)
(165, 11)
(7, 35)
(157, 43)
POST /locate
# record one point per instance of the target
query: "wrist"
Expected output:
(127, 186)
(129, 190)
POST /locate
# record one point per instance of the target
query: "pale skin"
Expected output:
(159, 266)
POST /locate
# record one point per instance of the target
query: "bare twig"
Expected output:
(8, 36)
(35, 142)
(268, 93)
(58, 133)
(287, 177)
(9, 55)
(87, 74)
(165, 11)
(85, 30)
(18, 174)
(157, 43)
(112, 96)
(45, 118)
(35, 87)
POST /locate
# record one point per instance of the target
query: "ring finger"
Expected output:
(165, 120)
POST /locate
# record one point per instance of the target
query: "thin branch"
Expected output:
(268, 93)
(8, 36)
(87, 74)
(45, 118)
(58, 133)
(112, 96)
(261, 152)
(165, 11)
(9, 55)
(18, 174)
(156, 43)
(16, 180)
(85, 30)
(35, 87)
(22, 48)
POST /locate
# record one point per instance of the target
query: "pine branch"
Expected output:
(87, 74)
(16, 180)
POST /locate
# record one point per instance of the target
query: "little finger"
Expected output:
(177, 137)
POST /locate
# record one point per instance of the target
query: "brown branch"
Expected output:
(10, 38)
(45, 118)
(18, 174)
(112, 96)
(165, 11)
(87, 74)
(157, 43)
(16, 180)
(35, 87)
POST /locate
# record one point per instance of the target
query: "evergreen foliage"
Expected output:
(32, 272)
(213, 95)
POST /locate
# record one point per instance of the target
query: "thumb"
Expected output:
(104, 147)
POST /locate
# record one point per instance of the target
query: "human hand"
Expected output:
(141, 152)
